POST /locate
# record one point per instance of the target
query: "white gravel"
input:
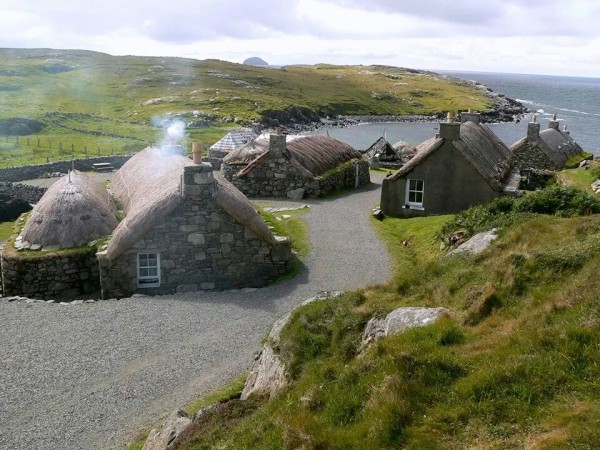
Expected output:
(93, 375)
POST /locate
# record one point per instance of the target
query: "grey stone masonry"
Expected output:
(48, 276)
(25, 192)
(276, 176)
(200, 246)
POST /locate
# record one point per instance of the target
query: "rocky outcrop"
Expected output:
(476, 245)
(162, 438)
(399, 320)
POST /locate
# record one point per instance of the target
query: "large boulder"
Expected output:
(400, 320)
(476, 245)
(162, 438)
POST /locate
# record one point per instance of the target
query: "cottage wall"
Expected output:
(65, 274)
(451, 184)
(201, 247)
(529, 155)
(275, 176)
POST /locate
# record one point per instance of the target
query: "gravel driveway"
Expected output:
(91, 376)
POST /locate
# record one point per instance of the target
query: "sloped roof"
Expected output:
(75, 210)
(234, 139)
(556, 145)
(148, 186)
(311, 155)
(479, 146)
(380, 146)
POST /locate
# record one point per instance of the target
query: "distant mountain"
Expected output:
(256, 61)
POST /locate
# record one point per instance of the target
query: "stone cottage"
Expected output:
(186, 229)
(549, 149)
(385, 155)
(465, 165)
(296, 166)
(55, 254)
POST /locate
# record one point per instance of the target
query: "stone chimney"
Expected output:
(470, 116)
(553, 123)
(533, 129)
(197, 181)
(277, 143)
(565, 130)
(450, 129)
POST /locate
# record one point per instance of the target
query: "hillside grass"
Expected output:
(516, 365)
(6, 230)
(580, 178)
(121, 103)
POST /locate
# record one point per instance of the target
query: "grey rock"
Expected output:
(162, 438)
(476, 245)
(187, 288)
(267, 374)
(296, 194)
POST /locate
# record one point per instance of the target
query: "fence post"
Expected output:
(17, 140)
(98, 151)
(38, 142)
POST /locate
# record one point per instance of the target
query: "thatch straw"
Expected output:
(249, 152)
(148, 185)
(75, 210)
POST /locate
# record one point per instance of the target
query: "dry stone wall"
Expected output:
(30, 194)
(57, 275)
(276, 176)
(530, 156)
(35, 171)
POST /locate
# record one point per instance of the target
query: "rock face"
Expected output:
(162, 438)
(399, 320)
(476, 245)
(296, 194)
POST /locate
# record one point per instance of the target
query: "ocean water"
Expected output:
(576, 102)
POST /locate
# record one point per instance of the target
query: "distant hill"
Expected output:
(256, 61)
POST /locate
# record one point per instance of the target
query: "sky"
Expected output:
(549, 37)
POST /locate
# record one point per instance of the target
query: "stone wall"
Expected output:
(35, 171)
(201, 247)
(276, 176)
(530, 156)
(30, 194)
(64, 274)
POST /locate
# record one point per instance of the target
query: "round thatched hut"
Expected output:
(75, 210)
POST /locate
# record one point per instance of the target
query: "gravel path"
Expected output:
(93, 375)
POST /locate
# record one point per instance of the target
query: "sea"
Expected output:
(575, 100)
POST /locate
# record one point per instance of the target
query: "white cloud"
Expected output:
(537, 36)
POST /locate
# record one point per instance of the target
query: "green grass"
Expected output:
(103, 102)
(294, 227)
(580, 178)
(515, 365)
(6, 230)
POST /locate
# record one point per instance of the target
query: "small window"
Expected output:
(148, 270)
(414, 193)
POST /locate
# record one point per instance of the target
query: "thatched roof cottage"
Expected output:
(232, 140)
(465, 165)
(51, 257)
(186, 229)
(549, 149)
(295, 166)
(383, 154)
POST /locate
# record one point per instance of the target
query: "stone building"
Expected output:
(55, 253)
(549, 149)
(387, 156)
(186, 229)
(296, 166)
(465, 165)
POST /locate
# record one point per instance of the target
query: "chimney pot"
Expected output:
(197, 152)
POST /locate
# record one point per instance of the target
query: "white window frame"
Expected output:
(409, 190)
(145, 281)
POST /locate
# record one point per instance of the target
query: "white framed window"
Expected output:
(148, 270)
(414, 193)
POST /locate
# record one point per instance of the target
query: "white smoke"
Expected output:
(173, 131)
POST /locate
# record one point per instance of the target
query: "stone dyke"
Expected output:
(276, 177)
(201, 247)
(531, 156)
(25, 192)
(62, 274)
(36, 171)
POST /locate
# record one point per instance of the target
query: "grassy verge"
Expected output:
(6, 230)
(580, 178)
(293, 227)
(515, 365)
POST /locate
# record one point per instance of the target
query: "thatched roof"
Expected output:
(311, 155)
(75, 210)
(479, 146)
(556, 145)
(232, 140)
(148, 185)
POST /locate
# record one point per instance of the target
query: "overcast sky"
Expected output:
(521, 36)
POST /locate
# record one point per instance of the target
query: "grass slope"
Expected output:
(516, 365)
(113, 103)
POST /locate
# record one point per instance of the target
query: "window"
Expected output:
(148, 270)
(414, 193)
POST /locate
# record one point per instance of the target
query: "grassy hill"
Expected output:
(88, 102)
(516, 365)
